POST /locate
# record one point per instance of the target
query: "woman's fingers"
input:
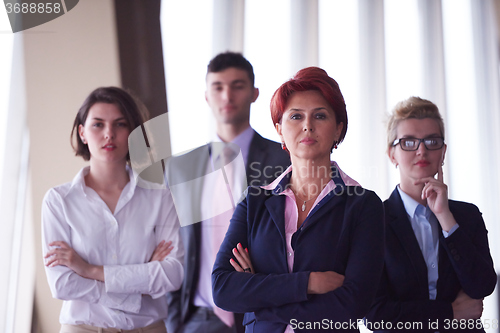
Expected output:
(244, 253)
(243, 258)
(59, 247)
(51, 262)
(57, 256)
(50, 253)
(162, 251)
(428, 191)
(235, 265)
(163, 246)
(436, 194)
(167, 251)
(61, 244)
(240, 256)
(155, 254)
(65, 255)
(433, 188)
(440, 173)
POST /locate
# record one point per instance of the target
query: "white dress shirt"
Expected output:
(123, 243)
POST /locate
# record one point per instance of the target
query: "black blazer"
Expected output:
(464, 263)
(266, 161)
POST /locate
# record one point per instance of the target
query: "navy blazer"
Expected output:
(343, 233)
(266, 160)
(464, 263)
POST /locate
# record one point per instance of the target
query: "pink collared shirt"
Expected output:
(203, 295)
(292, 214)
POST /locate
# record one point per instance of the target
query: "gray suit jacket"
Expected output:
(266, 161)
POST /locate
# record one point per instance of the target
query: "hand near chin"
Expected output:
(244, 263)
(435, 191)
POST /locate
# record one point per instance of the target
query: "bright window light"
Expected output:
(6, 45)
(186, 28)
(339, 56)
(403, 53)
(461, 95)
(267, 46)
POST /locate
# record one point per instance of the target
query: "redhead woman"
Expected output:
(315, 237)
(111, 246)
(438, 266)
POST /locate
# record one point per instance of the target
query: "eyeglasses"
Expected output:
(412, 144)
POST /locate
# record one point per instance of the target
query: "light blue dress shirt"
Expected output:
(426, 229)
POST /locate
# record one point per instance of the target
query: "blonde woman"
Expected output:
(438, 265)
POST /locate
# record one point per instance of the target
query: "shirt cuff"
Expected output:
(452, 230)
(125, 302)
(128, 279)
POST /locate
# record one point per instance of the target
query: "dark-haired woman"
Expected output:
(314, 235)
(110, 244)
(438, 265)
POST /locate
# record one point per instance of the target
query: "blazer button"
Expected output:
(454, 251)
(451, 245)
(457, 257)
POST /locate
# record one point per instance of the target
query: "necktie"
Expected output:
(225, 186)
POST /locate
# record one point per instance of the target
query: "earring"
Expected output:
(396, 165)
(335, 146)
(83, 140)
(283, 146)
(442, 163)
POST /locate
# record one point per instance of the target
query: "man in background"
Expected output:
(230, 92)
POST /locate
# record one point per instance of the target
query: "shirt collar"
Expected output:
(411, 205)
(78, 182)
(243, 141)
(338, 176)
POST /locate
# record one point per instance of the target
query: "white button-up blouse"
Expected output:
(123, 243)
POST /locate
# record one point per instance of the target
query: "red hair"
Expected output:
(311, 78)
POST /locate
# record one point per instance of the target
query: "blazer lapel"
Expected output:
(329, 201)
(256, 154)
(276, 207)
(399, 222)
(185, 174)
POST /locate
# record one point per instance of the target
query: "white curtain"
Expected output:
(16, 242)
